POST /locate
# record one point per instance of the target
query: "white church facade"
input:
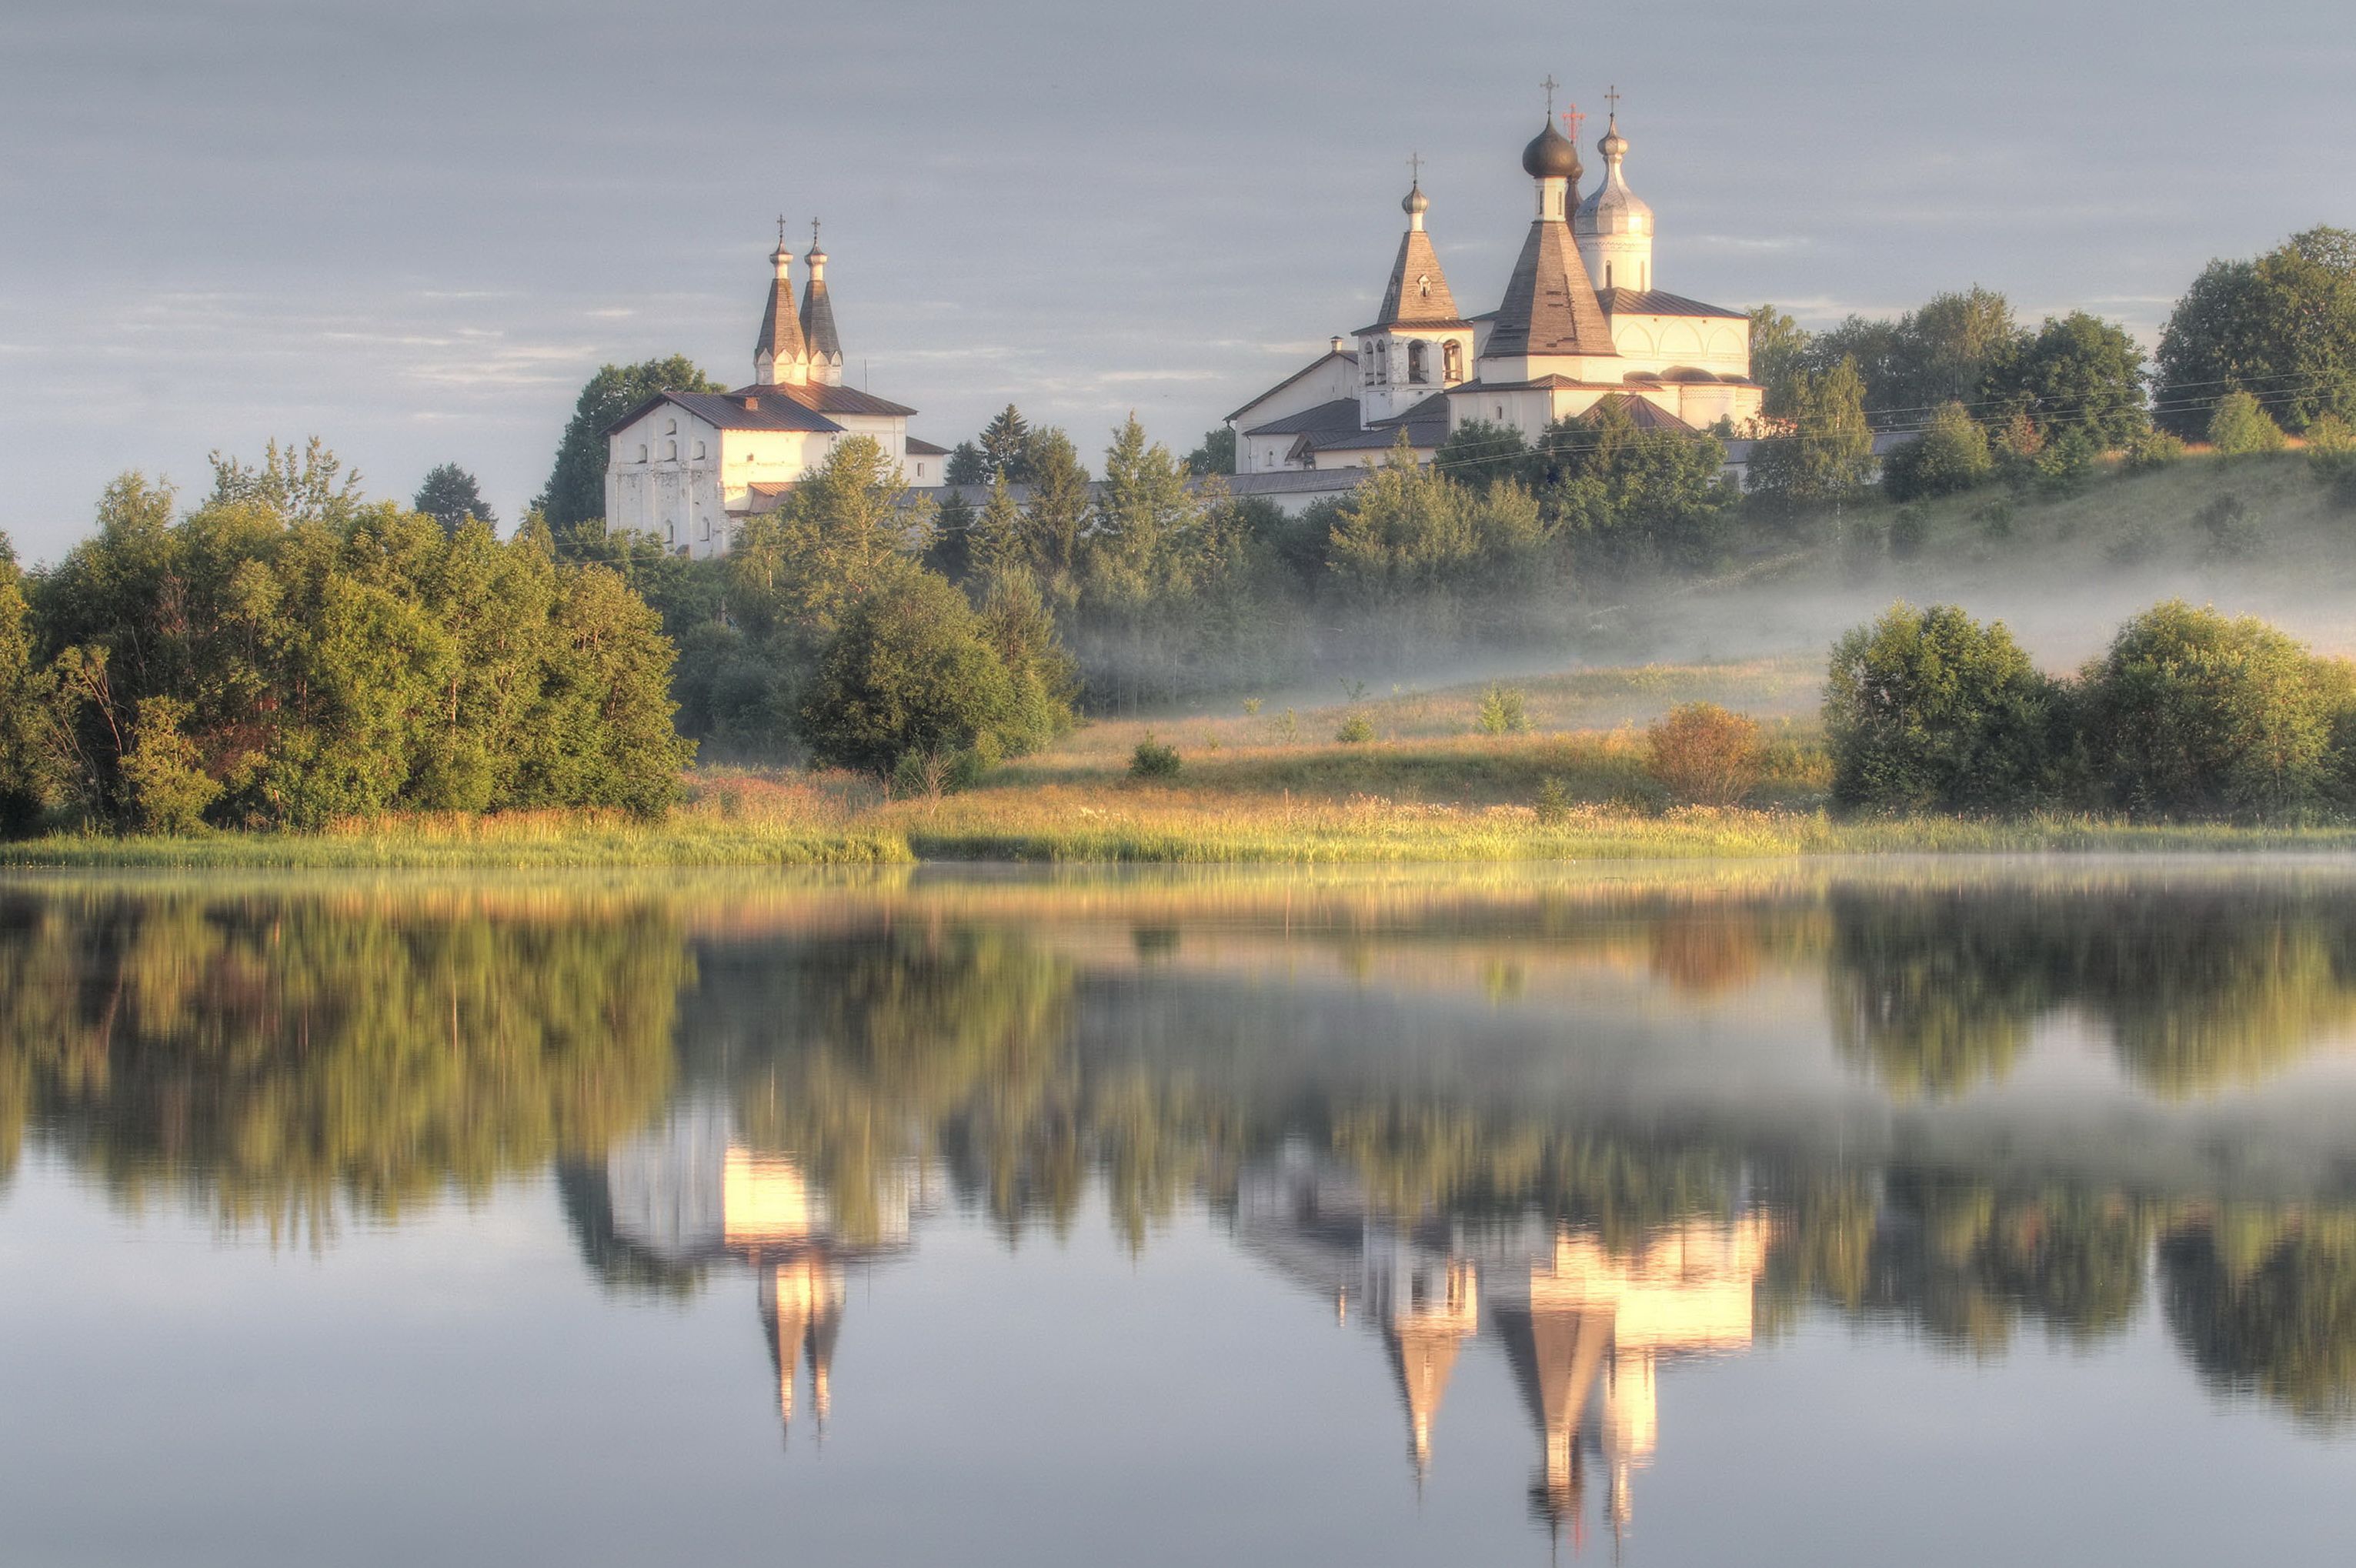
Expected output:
(1581, 320)
(683, 466)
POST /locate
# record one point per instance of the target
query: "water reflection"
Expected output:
(1592, 1129)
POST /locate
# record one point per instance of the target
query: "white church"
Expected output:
(1581, 320)
(684, 466)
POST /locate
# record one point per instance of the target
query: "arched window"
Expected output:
(1607, 274)
(642, 451)
(1452, 361)
(1416, 370)
(699, 448)
(1423, 285)
(671, 427)
(670, 452)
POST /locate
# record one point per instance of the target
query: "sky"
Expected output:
(414, 229)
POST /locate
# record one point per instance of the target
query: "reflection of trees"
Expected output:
(1939, 990)
(275, 1054)
(2265, 1303)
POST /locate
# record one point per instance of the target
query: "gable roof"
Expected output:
(1549, 305)
(728, 410)
(925, 449)
(1418, 291)
(821, 399)
(1341, 413)
(1309, 369)
(1644, 414)
(1658, 301)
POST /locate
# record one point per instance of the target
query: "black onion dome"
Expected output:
(1551, 156)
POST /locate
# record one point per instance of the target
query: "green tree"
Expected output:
(1481, 454)
(1217, 455)
(1408, 529)
(1952, 454)
(1005, 445)
(449, 496)
(848, 531)
(573, 500)
(311, 486)
(1930, 710)
(1827, 456)
(909, 671)
(2282, 326)
(2078, 373)
(1780, 350)
(964, 465)
(2195, 714)
(2240, 427)
(23, 763)
(1055, 518)
(1943, 351)
(1628, 493)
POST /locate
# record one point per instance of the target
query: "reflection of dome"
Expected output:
(1551, 156)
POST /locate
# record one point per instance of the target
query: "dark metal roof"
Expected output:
(925, 449)
(1434, 407)
(1644, 414)
(1309, 369)
(1657, 302)
(1382, 438)
(828, 400)
(1341, 413)
(781, 327)
(726, 410)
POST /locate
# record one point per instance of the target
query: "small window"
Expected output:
(1451, 360)
(1607, 274)
(1417, 370)
(1423, 285)
(670, 452)
(920, 471)
(699, 448)
(642, 451)
(671, 427)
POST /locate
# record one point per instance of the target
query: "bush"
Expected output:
(1554, 802)
(2229, 528)
(1909, 529)
(1503, 711)
(1356, 731)
(163, 773)
(2193, 714)
(1951, 455)
(1703, 754)
(2151, 452)
(2134, 545)
(2331, 448)
(908, 671)
(930, 774)
(1995, 520)
(1153, 760)
(2066, 464)
(1928, 709)
(2241, 428)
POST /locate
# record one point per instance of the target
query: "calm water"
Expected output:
(1929, 1213)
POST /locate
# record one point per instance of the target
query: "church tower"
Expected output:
(781, 355)
(1419, 343)
(1614, 225)
(1550, 323)
(818, 320)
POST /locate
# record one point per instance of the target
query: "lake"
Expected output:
(1830, 1213)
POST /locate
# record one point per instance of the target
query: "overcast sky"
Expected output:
(415, 228)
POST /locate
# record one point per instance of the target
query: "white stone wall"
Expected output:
(1333, 377)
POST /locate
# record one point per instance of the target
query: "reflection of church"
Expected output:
(692, 1192)
(1584, 1328)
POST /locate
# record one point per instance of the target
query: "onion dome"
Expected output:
(1551, 155)
(1415, 203)
(1613, 209)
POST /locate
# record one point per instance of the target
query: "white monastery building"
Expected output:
(684, 466)
(1581, 322)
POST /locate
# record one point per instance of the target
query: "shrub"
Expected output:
(2194, 714)
(2241, 428)
(930, 774)
(1356, 731)
(2150, 452)
(1554, 802)
(1153, 760)
(2343, 490)
(1704, 753)
(1908, 531)
(2229, 530)
(1503, 711)
(2135, 544)
(163, 773)
(1951, 455)
(1930, 709)
(1862, 544)
(908, 671)
(2066, 464)
(2331, 448)
(1995, 520)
